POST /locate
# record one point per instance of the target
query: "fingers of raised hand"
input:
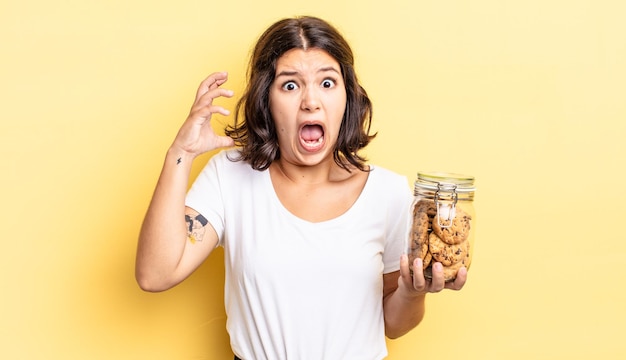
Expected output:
(212, 82)
(204, 107)
(206, 99)
(207, 110)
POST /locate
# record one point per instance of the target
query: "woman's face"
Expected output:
(307, 102)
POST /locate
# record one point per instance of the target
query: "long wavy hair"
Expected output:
(254, 130)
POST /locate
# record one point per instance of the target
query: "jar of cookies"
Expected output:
(443, 222)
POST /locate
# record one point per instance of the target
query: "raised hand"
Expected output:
(196, 136)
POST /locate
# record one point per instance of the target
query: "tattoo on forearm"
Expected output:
(179, 160)
(195, 227)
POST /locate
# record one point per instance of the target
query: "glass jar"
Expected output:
(442, 222)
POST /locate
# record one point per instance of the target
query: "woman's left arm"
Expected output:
(404, 295)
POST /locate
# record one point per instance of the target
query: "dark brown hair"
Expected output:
(256, 133)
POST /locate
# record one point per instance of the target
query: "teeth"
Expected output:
(314, 142)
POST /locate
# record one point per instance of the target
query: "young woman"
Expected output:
(313, 236)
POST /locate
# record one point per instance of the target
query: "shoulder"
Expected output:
(225, 166)
(388, 186)
(227, 156)
(386, 177)
(229, 159)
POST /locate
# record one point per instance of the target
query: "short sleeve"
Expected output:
(397, 224)
(205, 194)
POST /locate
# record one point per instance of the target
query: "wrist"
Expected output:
(178, 156)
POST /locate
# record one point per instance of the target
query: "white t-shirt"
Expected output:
(299, 290)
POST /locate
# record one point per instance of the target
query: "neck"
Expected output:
(324, 172)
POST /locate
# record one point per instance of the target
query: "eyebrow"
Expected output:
(321, 70)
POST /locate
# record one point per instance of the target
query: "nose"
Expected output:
(310, 99)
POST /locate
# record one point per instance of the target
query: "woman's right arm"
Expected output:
(174, 239)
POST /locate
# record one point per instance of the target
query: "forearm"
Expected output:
(163, 233)
(403, 312)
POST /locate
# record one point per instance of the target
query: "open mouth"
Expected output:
(312, 136)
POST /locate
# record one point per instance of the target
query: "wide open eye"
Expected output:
(290, 86)
(328, 83)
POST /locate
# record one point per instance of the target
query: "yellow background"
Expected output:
(527, 96)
